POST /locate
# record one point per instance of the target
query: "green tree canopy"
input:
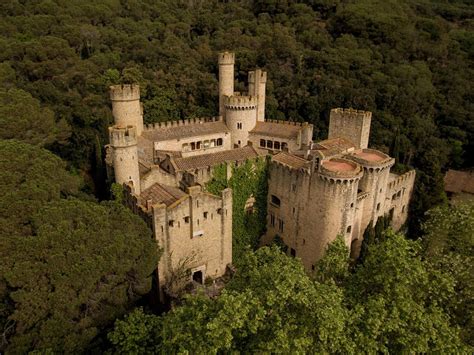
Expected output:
(83, 266)
(29, 178)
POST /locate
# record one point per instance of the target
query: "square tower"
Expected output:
(353, 125)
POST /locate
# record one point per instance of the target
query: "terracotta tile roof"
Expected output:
(212, 159)
(341, 144)
(274, 129)
(459, 181)
(291, 160)
(159, 193)
(183, 131)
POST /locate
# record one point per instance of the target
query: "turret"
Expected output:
(226, 62)
(123, 140)
(257, 84)
(126, 107)
(353, 125)
(240, 117)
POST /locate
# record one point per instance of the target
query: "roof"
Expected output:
(212, 159)
(285, 129)
(338, 144)
(159, 193)
(291, 160)
(459, 181)
(186, 130)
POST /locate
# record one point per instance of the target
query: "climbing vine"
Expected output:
(247, 180)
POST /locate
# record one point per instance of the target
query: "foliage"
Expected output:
(271, 305)
(449, 245)
(84, 265)
(29, 178)
(400, 297)
(248, 179)
(334, 266)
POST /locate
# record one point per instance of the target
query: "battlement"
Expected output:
(340, 169)
(290, 123)
(401, 180)
(350, 112)
(226, 58)
(371, 158)
(122, 136)
(262, 76)
(176, 123)
(240, 102)
(125, 92)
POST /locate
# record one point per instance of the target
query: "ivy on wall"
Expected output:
(250, 179)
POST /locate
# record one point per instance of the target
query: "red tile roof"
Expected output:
(459, 181)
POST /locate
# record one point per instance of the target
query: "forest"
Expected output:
(76, 266)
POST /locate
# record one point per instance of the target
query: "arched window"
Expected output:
(262, 143)
(219, 141)
(277, 145)
(270, 144)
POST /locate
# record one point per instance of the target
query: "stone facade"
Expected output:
(317, 190)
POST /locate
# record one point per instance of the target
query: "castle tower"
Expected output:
(126, 107)
(257, 86)
(240, 117)
(226, 62)
(350, 124)
(123, 141)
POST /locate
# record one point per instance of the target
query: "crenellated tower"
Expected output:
(257, 85)
(124, 142)
(353, 125)
(240, 117)
(126, 107)
(226, 62)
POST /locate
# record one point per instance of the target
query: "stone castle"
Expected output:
(317, 190)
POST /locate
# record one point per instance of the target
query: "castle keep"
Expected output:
(317, 190)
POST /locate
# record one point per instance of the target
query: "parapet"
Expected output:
(122, 136)
(401, 180)
(240, 102)
(340, 169)
(262, 76)
(125, 92)
(187, 122)
(226, 58)
(350, 112)
(371, 158)
(290, 123)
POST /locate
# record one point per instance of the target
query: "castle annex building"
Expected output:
(317, 190)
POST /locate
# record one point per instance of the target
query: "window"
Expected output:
(219, 211)
(272, 219)
(170, 223)
(198, 145)
(293, 252)
(280, 225)
(238, 143)
(206, 144)
(378, 206)
(213, 143)
(277, 145)
(197, 203)
(349, 228)
(262, 143)
(304, 241)
(294, 210)
(284, 146)
(186, 219)
(193, 146)
(313, 267)
(275, 201)
(205, 215)
(219, 141)
(239, 125)
(352, 204)
(185, 147)
(270, 144)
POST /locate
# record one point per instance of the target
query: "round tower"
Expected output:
(123, 140)
(376, 167)
(335, 190)
(240, 117)
(226, 62)
(126, 107)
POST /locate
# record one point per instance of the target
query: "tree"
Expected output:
(30, 177)
(449, 245)
(83, 266)
(399, 299)
(23, 118)
(270, 305)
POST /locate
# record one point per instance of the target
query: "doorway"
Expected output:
(197, 277)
